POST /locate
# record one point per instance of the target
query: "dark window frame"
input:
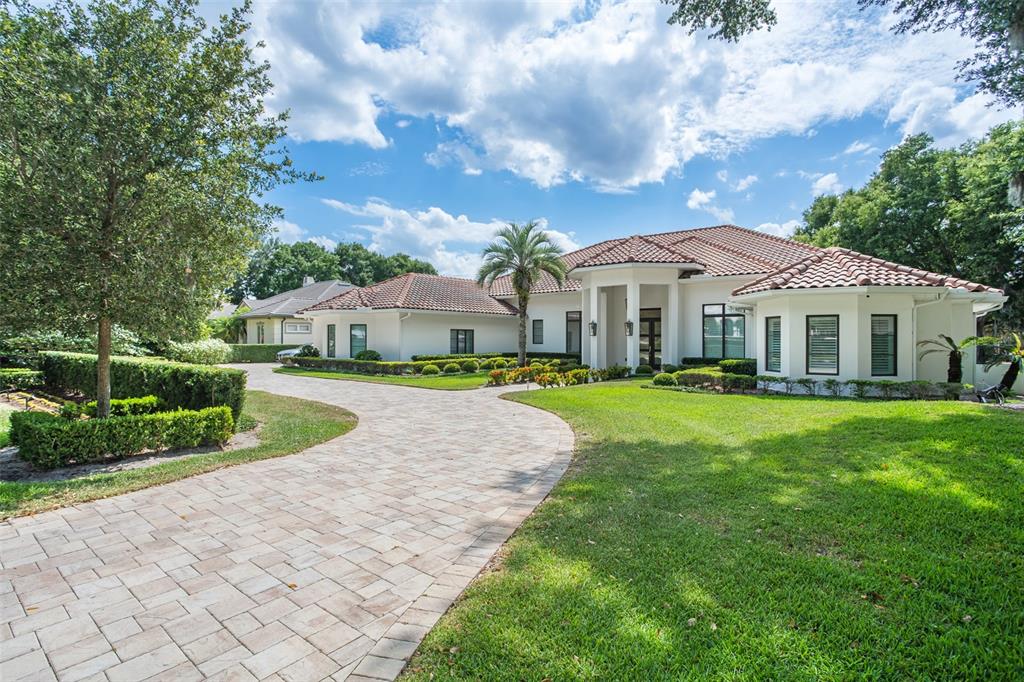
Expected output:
(895, 344)
(538, 332)
(568, 319)
(767, 347)
(461, 341)
(723, 315)
(366, 339)
(331, 349)
(807, 346)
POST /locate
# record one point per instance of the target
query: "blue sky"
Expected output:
(432, 124)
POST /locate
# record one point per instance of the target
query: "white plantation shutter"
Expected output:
(823, 344)
(883, 345)
(773, 358)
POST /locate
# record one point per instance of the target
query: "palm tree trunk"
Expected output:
(522, 332)
(955, 371)
(1010, 378)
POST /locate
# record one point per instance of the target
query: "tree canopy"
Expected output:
(134, 152)
(275, 267)
(944, 210)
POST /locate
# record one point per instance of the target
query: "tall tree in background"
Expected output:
(525, 253)
(275, 267)
(134, 148)
(362, 267)
(726, 19)
(941, 210)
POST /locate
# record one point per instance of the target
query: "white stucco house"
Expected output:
(275, 320)
(712, 292)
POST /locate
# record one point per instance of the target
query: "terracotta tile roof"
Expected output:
(837, 267)
(720, 250)
(415, 291)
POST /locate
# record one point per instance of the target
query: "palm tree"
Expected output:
(1011, 352)
(946, 344)
(524, 252)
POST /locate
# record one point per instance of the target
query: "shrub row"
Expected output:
(19, 378)
(480, 356)
(413, 367)
(48, 441)
(190, 387)
(555, 375)
(119, 407)
(713, 381)
(730, 365)
(257, 352)
(863, 388)
(205, 352)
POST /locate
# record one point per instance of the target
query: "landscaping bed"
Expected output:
(446, 382)
(703, 535)
(286, 426)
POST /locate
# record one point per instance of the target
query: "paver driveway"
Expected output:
(333, 562)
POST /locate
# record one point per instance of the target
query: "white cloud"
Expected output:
(722, 175)
(289, 233)
(605, 94)
(858, 147)
(826, 184)
(451, 243)
(744, 183)
(403, 123)
(700, 200)
(785, 229)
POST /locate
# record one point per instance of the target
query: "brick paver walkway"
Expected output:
(329, 564)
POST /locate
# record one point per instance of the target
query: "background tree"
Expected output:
(275, 267)
(525, 252)
(940, 210)
(362, 267)
(726, 19)
(134, 149)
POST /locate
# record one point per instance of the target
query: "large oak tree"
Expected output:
(134, 152)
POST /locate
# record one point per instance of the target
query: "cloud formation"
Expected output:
(605, 93)
(699, 200)
(451, 243)
(826, 184)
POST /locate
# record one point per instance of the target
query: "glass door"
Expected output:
(331, 340)
(650, 337)
(573, 331)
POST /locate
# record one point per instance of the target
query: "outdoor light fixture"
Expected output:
(593, 328)
(629, 328)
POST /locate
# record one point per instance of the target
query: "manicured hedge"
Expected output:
(258, 352)
(205, 352)
(360, 366)
(121, 407)
(746, 366)
(19, 377)
(190, 387)
(48, 441)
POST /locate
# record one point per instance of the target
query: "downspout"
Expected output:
(401, 332)
(913, 329)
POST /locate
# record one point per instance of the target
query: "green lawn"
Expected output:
(444, 382)
(288, 426)
(745, 537)
(5, 424)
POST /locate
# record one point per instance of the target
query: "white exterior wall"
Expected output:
(694, 295)
(271, 330)
(428, 333)
(382, 332)
(297, 338)
(552, 309)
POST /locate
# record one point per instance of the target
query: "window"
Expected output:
(332, 341)
(538, 331)
(823, 344)
(462, 341)
(883, 345)
(724, 334)
(261, 332)
(573, 331)
(298, 327)
(773, 344)
(356, 339)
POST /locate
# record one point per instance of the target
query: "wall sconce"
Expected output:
(629, 328)
(593, 328)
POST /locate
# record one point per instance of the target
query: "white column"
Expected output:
(670, 328)
(594, 313)
(632, 315)
(602, 329)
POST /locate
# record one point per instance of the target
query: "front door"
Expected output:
(650, 337)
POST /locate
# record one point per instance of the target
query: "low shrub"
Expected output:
(368, 354)
(309, 351)
(573, 377)
(19, 378)
(470, 366)
(541, 355)
(834, 387)
(860, 387)
(499, 363)
(698, 379)
(121, 407)
(617, 372)
(693, 361)
(888, 389)
(548, 379)
(665, 379)
(809, 385)
(430, 369)
(452, 368)
(919, 389)
(788, 383)
(497, 377)
(766, 381)
(205, 352)
(485, 364)
(746, 366)
(258, 352)
(738, 383)
(669, 368)
(535, 363)
(48, 441)
(644, 369)
(190, 387)
(950, 390)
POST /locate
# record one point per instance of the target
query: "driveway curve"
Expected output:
(332, 563)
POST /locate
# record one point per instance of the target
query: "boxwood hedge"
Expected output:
(49, 441)
(190, 387)
(258, 352)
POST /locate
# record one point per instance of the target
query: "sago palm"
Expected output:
(955, 350)
(524, 252)
(1011, 351)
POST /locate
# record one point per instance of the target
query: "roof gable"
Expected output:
(290, 302)
(415, 291)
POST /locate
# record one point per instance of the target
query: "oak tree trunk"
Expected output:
(103, 369)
